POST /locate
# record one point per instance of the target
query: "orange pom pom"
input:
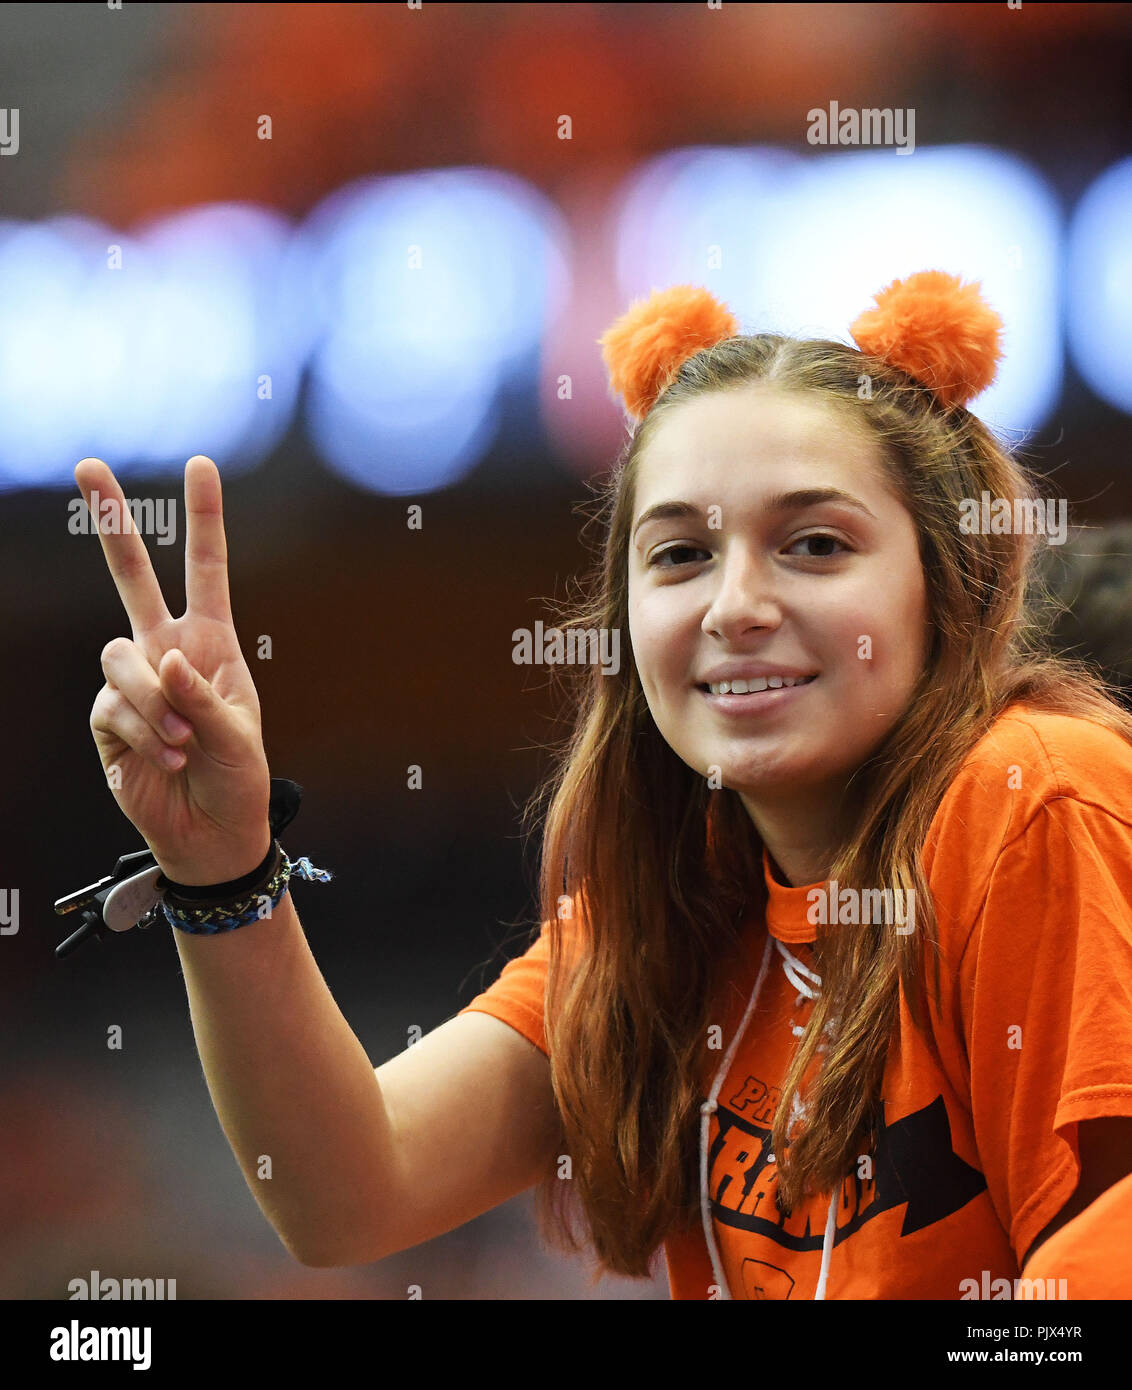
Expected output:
(942, 333)
(649, 343)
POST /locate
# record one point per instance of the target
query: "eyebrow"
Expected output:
(781, 502)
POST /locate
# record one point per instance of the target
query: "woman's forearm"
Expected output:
(295, 1093)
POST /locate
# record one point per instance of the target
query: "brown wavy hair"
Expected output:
(647, 875)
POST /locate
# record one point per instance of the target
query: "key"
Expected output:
(131, 885)
(93, 896)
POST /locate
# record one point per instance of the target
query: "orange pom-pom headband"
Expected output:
(939, 331)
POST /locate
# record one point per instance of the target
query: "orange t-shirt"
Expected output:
(1029, 863)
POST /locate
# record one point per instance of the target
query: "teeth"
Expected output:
(753, 686)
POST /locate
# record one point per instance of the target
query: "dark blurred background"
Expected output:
(394, 300)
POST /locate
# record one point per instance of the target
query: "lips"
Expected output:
(755, 704)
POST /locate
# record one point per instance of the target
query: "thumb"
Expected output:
(191, 695)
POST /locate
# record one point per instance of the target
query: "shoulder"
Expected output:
(1060, 755)
(1028, 764)
(1027, 759)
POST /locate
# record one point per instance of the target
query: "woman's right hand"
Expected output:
(206, 820)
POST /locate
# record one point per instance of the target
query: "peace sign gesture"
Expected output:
(177, 724)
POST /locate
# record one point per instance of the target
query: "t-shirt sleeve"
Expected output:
(518, 996)
(1045, 998)
(1092, 1253)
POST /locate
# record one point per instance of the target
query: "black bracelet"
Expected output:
(202, 892)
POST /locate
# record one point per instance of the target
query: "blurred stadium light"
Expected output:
(430, 290)
(142, 349)
(414, 300)
(1099, 286)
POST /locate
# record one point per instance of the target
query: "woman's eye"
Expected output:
(674, 550)
(668, 559)
(821, 537)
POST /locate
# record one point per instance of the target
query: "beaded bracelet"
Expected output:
(207, 916)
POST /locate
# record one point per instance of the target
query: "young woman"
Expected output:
(833, 992)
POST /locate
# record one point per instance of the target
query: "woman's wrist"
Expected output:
(229, 869)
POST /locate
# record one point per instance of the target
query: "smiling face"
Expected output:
(821, 588)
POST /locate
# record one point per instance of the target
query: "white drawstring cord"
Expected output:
(708, 1109)
(797, 973)
(827, 1245)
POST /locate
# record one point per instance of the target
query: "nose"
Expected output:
(745, 597)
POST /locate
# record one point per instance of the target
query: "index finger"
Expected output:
(123, 547)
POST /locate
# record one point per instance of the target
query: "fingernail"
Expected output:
(172, 758)
(175, 726)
